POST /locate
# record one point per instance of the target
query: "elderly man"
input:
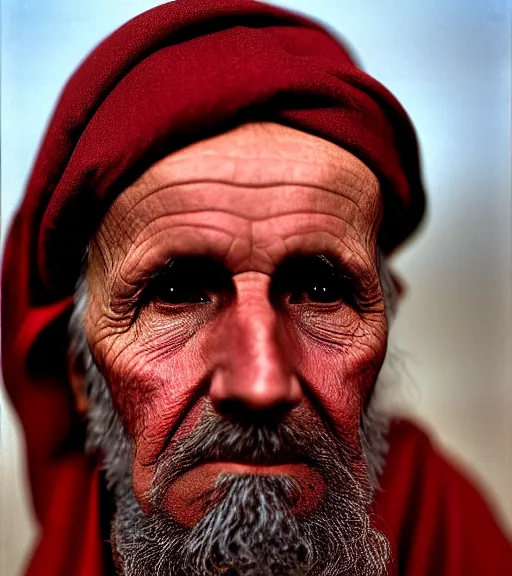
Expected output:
(198, 270)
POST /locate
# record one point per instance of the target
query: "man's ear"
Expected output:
(76, 376)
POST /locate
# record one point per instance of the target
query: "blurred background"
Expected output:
(449, 63)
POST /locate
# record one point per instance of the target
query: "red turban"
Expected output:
(171, 76)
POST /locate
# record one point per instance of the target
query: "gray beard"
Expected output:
(249, 528)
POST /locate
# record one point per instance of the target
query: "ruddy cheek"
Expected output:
(188, 498)
(152, 387)
(346, 364)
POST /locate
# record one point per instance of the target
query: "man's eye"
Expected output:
(172, 291)
(319, 290)
(311, 279)
(189, 281)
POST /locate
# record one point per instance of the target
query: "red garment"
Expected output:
(173, 75)
(436, 520)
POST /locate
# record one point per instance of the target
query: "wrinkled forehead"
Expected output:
(272, 159)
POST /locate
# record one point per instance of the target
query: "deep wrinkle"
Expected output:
(246, 348)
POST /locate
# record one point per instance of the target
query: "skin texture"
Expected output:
(250, 199)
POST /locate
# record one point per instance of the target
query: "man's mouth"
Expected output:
(189, 497)
(230, 467)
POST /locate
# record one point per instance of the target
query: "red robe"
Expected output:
(439, 523)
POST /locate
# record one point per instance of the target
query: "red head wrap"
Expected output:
(171, 76)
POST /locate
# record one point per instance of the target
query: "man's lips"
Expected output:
(248, 468)
(187, 498)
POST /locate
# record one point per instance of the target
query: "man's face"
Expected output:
(236, 280)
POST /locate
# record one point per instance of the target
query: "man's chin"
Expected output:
(196, 492)
(250, 530)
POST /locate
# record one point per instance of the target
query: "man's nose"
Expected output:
(253, 378)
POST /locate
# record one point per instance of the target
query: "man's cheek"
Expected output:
(340, 371)
(152, 389)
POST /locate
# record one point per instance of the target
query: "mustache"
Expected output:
(217, 439)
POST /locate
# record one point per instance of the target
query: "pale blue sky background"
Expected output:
(449, 63)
